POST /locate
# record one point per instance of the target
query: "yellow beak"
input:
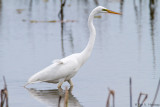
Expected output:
(109, 11)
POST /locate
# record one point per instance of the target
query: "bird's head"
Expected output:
(101, 9)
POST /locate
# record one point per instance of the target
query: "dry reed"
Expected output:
(4, 94)
(111, 92)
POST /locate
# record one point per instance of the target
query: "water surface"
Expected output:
(126, 46)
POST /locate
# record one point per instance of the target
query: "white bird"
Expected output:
(64, 69)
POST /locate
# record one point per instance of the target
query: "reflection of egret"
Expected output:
(54, 98)
(64, 69)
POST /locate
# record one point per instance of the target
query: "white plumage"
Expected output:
(64, 69)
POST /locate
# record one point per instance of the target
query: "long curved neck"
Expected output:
(88, 49)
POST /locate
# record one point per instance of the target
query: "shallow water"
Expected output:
(126, 46)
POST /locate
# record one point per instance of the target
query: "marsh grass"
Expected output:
(144, 99)
(111, 93)
(140, 100)
(158, 86)
(4, 95)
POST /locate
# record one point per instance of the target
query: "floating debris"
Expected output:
(45, 0)
(51, 21)
(19, 11)
(35, 21)
(23, 20)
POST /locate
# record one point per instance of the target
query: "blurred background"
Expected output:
(35, 32)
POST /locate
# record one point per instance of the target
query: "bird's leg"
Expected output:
(60, 83)
(70, 82)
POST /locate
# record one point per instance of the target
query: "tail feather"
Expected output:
(38, 77)
(26, 84)
(32, 80)
(31, 83)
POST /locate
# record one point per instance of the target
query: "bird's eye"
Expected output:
(104, 10)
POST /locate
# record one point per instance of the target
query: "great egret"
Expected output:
(64, 69)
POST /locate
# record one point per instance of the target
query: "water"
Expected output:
(126, 46)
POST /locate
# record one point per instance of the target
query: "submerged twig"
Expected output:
(158, 86)
(139, 98)
(130, 88)
(66, 98)
(111, 92)
(4, 94)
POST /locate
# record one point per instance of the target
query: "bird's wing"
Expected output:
(59, 69)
